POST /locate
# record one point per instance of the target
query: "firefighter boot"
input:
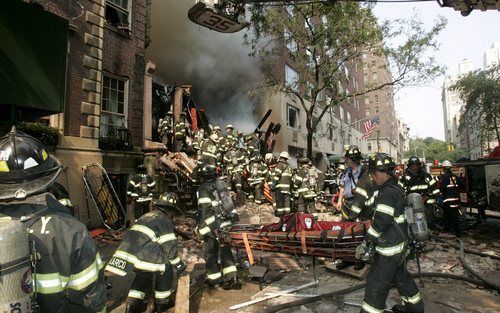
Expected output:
(232, 284)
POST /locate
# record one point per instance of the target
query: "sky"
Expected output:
(463, 38)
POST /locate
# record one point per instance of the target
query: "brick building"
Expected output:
(107, 92)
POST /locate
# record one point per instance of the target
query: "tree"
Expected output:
(434, 149)
(480, 92)
(325, 40)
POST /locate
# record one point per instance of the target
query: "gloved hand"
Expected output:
(272, 187)
(360, 250)
(197, 235)
(369, 253)
(181, 267)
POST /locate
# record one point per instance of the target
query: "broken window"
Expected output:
(291, 77)
(113, 105)
(292, 117)
(117, 13)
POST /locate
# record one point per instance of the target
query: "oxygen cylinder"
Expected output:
(16, 283)
(415, 216)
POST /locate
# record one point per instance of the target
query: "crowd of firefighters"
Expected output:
(69, 275)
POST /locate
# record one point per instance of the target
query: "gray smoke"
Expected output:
(216, 65)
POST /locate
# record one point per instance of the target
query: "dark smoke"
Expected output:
(216, 65)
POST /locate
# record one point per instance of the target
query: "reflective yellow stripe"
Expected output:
(50, 283)
(86, 277)
(163, 294)
(400, 219)
(145, 230)
(139, 264)
(167, 237)
(210, 220)
(152, 184)
(414, 300)
(175, 261)
(368, 308)
(355, 209)
(361, 191)
(435, 191)
(229, 269)
(136, 294)
(390, 251)
(205, 230)
(115, 270)
(385, 209)
(430, 201)
(214, 276)
(373, 232)
(204, 200)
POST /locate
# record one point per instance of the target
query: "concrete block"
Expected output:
(90, 108)
(94, 19)
(99, 2)
(96, 53)
(90, 62)
(94, 41)
(94, 98)
(90, 85)
(98, 9)
(93, 121)
(97, 31)
(89, 132)
(94, 75)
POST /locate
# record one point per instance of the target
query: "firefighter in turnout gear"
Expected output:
(199, 139)
(303, 184)
(140, 188)
(181, 132)
(230, 138)
(209, 152)
(449, 185)
(416, 179)
(235, 162)
(387, 243)
(215, 213)
(149, 249)
(166, 129)
(281, 181)
(68, 275)
(257, 174)
(356, 188)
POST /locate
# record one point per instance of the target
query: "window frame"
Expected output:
(119, 8)
(288, 69)
(125, 101)
(297, 116)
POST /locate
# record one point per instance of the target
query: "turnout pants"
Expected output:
(255, 193)
(385, 272)
(305, 204)
(450, 217)
(213, 252)
(142, 287)
(282, 202)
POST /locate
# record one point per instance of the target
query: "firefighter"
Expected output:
(199, 139)
(209, 151)
(68, 275)
(313, 176)
(416, 179)
(330, 182)
(303, 185)
(166, 129)
(356, 190)
(215, 213)
(234, 161)
(230, 138)
(181, 132)
(216, 130)
(281, 181)
(449, 185)
(149, 249)
(253, 143)
(62, 195)
(386, 244)
(257, 173)
(140, 189)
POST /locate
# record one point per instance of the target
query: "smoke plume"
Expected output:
(217, 65)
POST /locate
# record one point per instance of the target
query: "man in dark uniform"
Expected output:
(387, 242)
(416, 179)
(149, 249)
(181, 132)
(281, 183)
(449, 185)
(140, 188)
(69, 274)
(216, 212)
(257, 172)
(304, 188)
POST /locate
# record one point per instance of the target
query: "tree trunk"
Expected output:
(309, 144)
(495, 125)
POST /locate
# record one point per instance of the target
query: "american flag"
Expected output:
(369, 125)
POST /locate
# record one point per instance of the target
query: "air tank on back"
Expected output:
(415, 216)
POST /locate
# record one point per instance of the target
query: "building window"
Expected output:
(367, 112)
(376, 109)
(331, 133)
(348, 117)
(118, 13)
(341, 113)
(376, 98)
(290, 43)
(367, 100)
(292, 117)
(113, 105)
(340, 88)
(369, 146)
(291, 77)
(374, 76)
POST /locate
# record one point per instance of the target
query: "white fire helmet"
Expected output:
(446, 163)
(284, 155)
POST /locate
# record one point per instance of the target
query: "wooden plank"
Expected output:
(248, 249)
(275, 295)
(348, 272)
(182, 296)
